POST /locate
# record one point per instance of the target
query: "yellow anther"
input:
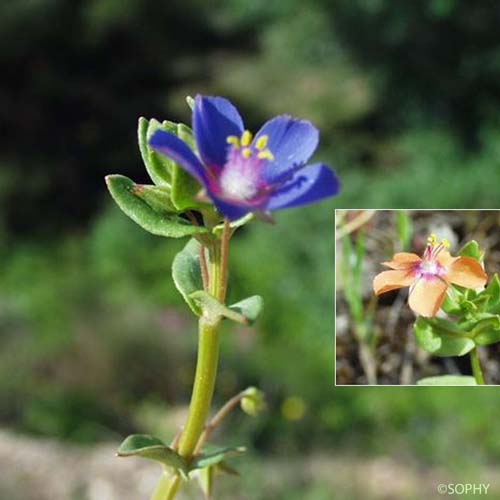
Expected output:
(246, 138)
(246, 153)
(232, 139)
(432, 239)
(261, 142)
(445, 243)
(265, 155)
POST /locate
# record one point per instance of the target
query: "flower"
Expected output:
(241, 173)
(430, 276)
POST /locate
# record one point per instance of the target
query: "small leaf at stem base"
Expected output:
(216, 457)
(145, 446)
(447, 380)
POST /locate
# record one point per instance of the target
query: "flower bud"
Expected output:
(253, 402)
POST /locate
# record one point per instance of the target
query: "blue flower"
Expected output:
(242, 173)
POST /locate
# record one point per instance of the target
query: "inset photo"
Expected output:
(417, 297)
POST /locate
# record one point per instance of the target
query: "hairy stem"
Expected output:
(476, 367)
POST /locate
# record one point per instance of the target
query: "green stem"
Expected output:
(476, 367)
(206, 365)
(204, 381)
(163, 488)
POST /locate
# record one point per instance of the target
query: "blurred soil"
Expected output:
(43, 469)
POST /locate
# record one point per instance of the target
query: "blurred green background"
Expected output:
(96, 343)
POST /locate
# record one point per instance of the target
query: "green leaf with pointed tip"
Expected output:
(471, 249)
(441, 337)
(158, 166)
(206, 481)
(145, 446)
(122, 190)
(492, 291)
(184, 186)
(487, 331)
(446, 380)
(217, 230)
(210, 459)
(186, 272)
(226, 469)
(213, 309)
(450, 304)
(157, 197)
(244, 312)
(250, 308)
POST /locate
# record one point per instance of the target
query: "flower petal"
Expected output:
(310, 184)
(214, 119)
(392, 280)
(427, 295)
(402, 260)
(467, 272)
(170, 145)
(291, 142)
(229, 210)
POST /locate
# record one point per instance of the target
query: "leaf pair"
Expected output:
(186, 272)
(152, 448)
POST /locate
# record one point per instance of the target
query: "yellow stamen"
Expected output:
(232, 139)
(261, 142)
(432, 239)
(265, 155)
(246, 153)
(445, 243)
(246, 138)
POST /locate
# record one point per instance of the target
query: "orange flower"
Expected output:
(430, 276)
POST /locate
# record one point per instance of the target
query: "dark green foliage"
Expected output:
(86, 299)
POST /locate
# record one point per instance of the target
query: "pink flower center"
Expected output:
(241, 175)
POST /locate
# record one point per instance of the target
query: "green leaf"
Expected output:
(186, 272)
(471, 249)
(216, 457)
(157, 197)
(184, 186)
(492, 291)
(217, 230)
(487, 331)
(158, 166)
(250, 308)
(487, 338)
(206, 481)
(123, 191)
(152, 448)
(244, 312)
(448, 380)
(226, 469)
(441, 337)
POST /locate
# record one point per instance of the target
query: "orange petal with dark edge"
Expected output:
(391, 280)
(467, 272)
(402, 260)
(427, 295)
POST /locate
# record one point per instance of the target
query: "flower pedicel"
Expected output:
(429, 276)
